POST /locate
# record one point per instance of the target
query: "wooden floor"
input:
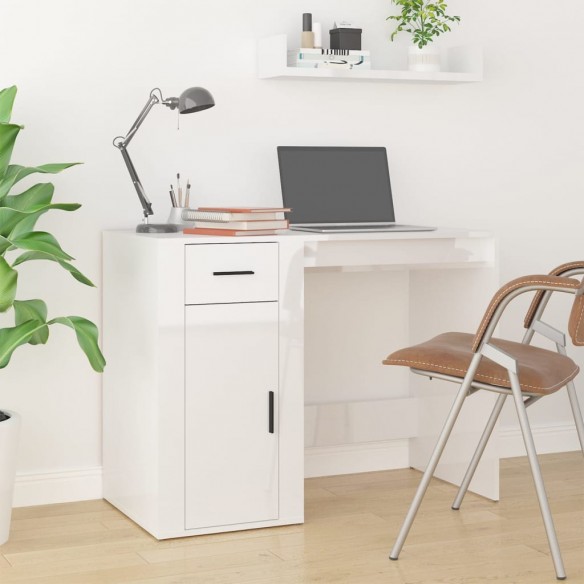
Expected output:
(350, 524)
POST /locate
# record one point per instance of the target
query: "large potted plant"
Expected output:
(20, 242)
(424, 20)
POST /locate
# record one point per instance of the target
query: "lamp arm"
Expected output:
(152, 101)
(144, 201)
(121, 143)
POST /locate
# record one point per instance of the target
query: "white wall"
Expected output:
(504, 155)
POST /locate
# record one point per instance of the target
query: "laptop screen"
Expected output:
(335, 184)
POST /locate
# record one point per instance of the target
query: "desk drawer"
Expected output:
(231, 272)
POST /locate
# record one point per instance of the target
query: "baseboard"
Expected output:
(392, 454)
(86, 484)
(58, 487)
(548, 439)
(321, 461)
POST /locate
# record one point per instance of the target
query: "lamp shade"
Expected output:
(195, 99)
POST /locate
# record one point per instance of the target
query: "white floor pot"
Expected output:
(426, 59)
(9, 432)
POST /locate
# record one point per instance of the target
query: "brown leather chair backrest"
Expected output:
(549, 281)
(576, 323)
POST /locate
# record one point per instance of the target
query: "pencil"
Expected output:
(188, 193)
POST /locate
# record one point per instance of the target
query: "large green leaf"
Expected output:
(4, 245)
(15, 173)
(8, 280)
(35, 310)
(6, 100)
(24, 226)
(87, 337)
(39, 255)
(39, 194)
(10, 219)
(11, 338)
(8, 134)
(40, 241)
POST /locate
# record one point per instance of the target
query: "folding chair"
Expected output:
(521, 370)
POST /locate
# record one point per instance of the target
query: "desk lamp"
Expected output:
(194, 99)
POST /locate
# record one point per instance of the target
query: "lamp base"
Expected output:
(158, 228)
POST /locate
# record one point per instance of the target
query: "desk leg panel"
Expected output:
(440, 301)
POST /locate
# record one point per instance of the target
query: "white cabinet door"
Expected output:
(231, 467)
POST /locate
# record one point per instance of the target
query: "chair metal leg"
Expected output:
(537, 478)
(577, 413)
(479, 451)
(435, 458)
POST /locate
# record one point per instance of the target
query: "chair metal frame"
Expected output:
(522, 400)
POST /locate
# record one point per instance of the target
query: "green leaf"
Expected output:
(37, 195)
(76, 274)
(35, 310)
(37, 255)
(15, 173)
(11, 338)
(8, 134)
(26, 225)
(10, 218)
(8, 281)
(87, 337)
(4, 245)
(40, 241)
(35, 201)
(6, 101)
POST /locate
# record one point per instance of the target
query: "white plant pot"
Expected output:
(426, 59)
(9, 431)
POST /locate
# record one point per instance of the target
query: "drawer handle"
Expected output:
(237, 273)
(271, 412)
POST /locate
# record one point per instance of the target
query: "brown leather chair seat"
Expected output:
(540, 371)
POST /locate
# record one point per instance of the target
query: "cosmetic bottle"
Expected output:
(317, 31)
(307, 41)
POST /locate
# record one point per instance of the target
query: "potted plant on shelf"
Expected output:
(425, 21)
(20, 242)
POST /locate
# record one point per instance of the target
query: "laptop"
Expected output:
(333, 189)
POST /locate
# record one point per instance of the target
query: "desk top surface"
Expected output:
(308, 237)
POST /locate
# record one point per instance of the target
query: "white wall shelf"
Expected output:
(465, 65)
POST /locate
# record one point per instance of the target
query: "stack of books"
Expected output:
(329, 58)
(235, 220)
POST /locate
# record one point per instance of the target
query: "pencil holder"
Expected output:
(175, 216)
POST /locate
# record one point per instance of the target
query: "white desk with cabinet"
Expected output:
(204, 390)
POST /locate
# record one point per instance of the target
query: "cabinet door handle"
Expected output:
(236, 273)
(271, 412)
